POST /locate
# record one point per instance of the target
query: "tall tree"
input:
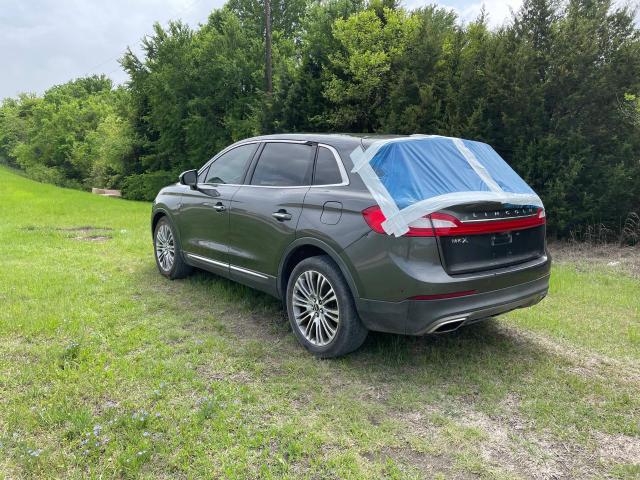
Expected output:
(267, 46)
(360, 80)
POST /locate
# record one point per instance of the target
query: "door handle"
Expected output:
(281, 215)
(219, 207)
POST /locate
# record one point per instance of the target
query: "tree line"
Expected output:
(555, 90)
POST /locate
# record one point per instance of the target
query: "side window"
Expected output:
(327, 171)
(284, 165)
(230, 167)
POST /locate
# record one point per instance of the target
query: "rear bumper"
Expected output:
(413, 317)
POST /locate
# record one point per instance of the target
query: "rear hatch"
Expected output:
(489, 236)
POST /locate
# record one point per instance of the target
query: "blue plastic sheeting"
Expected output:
(413, 176)
(413, 171)
(500, 171)
(424, 168)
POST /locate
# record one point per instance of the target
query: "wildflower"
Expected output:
(34, 453)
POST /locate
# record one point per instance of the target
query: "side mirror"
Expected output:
(190, 177)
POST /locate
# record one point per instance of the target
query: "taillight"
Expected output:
(442, 224)
(374, 218)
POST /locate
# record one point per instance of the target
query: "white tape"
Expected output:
(361, 157)
(383, 199)
(476, 165)
(425, 207)
(358, 159)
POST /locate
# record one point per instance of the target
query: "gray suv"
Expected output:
(284, 214)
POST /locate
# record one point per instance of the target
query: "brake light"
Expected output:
(442, 224)
(374, 218)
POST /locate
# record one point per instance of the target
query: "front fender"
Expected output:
(167, 203)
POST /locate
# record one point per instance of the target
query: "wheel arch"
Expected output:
(306, 247)
(155, 218)
(160, 212)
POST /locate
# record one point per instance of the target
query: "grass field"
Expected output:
(109, 370)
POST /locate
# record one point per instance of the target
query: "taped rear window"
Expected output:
(411, 177)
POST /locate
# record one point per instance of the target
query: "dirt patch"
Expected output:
(428, 465)
(93, 238)
(103, 405)
(510, 444)
(618, 448)
(516, 448)
(86, 228)
(618, 259)
(98, 234)
(514, 445)
(212, 375)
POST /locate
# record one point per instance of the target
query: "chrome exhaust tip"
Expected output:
(447, 326)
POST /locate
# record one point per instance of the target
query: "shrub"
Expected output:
(54, 175)
(145, 186)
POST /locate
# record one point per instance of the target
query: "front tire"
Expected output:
(321, 309)
(167, 252)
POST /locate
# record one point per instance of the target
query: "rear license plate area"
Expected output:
(501, 239)
(471, 253)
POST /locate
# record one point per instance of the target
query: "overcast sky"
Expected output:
(47, 42)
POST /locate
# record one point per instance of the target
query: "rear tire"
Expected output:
(321, 309)
(167, 251)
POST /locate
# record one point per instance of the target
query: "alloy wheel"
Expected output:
(165, 247)
(315, 308)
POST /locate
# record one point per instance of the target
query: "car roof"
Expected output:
(338, 140)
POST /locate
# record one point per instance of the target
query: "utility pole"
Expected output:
(267, 44)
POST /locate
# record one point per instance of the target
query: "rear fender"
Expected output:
(329, 250)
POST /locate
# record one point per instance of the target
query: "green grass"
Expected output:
(109, 370)
(593, 309)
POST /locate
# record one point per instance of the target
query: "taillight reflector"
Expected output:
(442, 224)
(442, 296)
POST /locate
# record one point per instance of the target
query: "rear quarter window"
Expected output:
(327, 171)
